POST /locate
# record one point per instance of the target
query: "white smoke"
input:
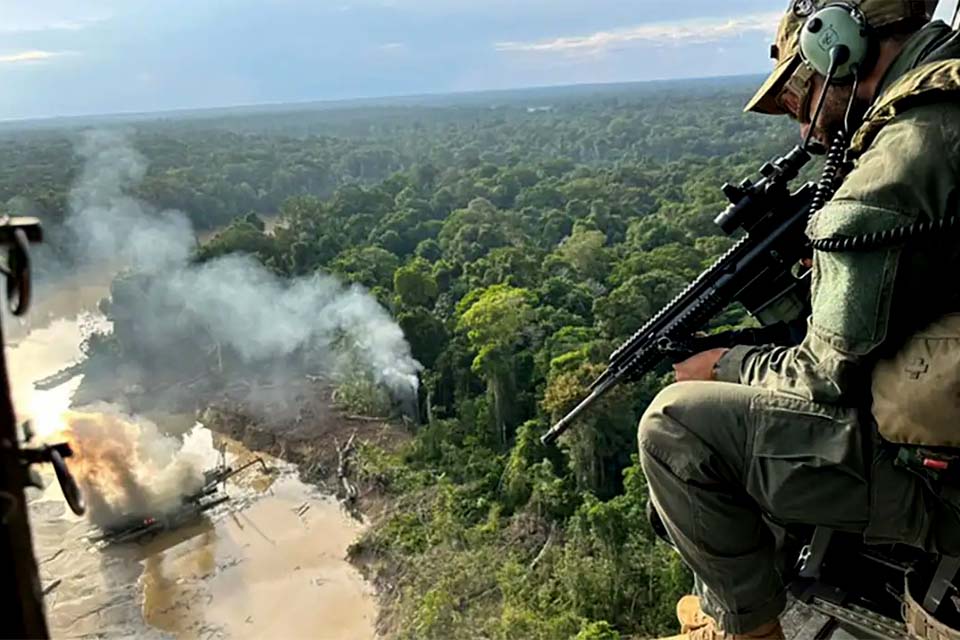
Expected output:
(126, 467)
(260, 316)
(113, 227)
(241, 304)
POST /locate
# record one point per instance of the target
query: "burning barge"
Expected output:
(138, 528)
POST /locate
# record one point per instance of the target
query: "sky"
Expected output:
(83, 57)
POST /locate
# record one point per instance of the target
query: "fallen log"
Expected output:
(350, 492)
(545, 548)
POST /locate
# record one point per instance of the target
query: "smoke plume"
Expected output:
(233, 300)
(113, 227)
(126, 468)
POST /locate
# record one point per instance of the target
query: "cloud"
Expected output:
(34, 55)
(698, 31)
(74, 25)
(393, 47)
(43, 23)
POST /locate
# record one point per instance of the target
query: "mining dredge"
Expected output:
(142, 528)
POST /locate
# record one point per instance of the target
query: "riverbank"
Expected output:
(271, 562)
(294, 418)
(300, 424)
(315, 448)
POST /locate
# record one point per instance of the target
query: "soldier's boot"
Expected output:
(696, 625)
(690, 615)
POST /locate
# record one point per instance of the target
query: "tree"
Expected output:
(426, 334)
(651, 232)
(496, 321)
(415, 284)
(515, 265)
(659, 287)
(469, 234)
(563, 293)
(599, 443)
(369, 266)
(585, 251)
(241, 236)
(429, 250)
(624, 310)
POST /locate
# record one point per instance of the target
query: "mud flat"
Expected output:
(270, 563)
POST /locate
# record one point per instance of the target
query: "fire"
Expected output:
(125, 466)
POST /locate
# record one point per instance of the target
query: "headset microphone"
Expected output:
(835, 42)
(836, 153)
(839, 55)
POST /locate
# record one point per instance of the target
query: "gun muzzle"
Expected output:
(565, 423)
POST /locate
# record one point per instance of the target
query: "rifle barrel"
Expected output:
(755, 272)
(566, 422)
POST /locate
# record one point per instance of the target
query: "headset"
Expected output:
(837, 38)
(836, 41)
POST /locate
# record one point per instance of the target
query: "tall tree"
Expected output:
(497, 320)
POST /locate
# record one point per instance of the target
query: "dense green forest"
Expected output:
(213, 166)
(516, 240)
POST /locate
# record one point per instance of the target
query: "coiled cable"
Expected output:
(887, 237)
(829, 179)
(837, 153)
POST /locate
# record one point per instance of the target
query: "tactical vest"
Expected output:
(931, 82)
(916, 393)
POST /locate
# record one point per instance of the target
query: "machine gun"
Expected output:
(23, 615)
(756, 272)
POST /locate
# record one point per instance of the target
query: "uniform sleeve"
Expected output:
(858, 298)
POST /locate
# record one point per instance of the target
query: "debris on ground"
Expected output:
(211, 495)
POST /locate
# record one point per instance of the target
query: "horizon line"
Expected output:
(361, 99)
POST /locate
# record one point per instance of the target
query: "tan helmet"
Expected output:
(790, 74)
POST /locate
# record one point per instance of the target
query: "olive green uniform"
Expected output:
(787, 431)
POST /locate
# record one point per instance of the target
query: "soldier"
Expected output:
(788, 431)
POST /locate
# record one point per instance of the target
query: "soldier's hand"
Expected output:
(698, 367)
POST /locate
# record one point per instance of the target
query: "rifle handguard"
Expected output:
(756, 272)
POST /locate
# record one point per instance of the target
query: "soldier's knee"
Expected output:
(659, 428)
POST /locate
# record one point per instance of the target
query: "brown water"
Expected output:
(268, 564)
(76, 294)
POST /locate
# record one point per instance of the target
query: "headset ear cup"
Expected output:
(835, 25)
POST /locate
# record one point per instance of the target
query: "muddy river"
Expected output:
(270, 563)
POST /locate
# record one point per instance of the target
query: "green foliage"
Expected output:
(518, 481)
(426, 334)
(243, 235)
(358, 393)
(369, 266)
(585, 251)
(601, 630)
(516, 249)
(624, 311)
(497, 321)
(415, 284)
